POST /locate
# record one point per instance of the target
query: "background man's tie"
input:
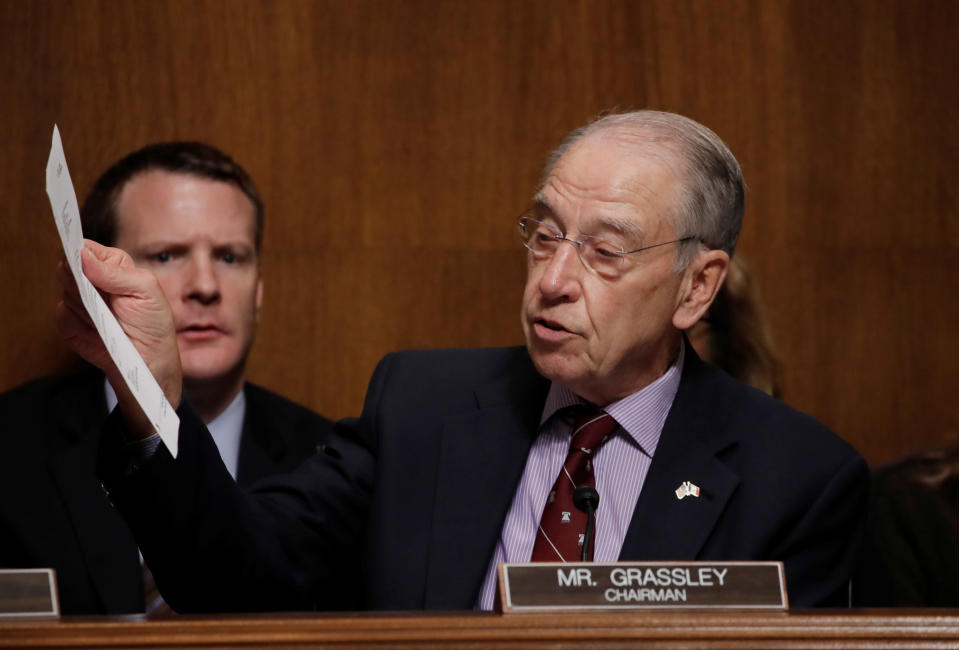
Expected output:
(561, 529)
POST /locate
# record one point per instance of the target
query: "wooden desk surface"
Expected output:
(795, 629)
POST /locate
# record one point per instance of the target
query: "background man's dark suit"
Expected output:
(447, 436)
(53, 512)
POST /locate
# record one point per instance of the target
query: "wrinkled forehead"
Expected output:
(594, 221)
(604, 181)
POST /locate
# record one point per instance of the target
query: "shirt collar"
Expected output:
(226, 428)
(641, 414)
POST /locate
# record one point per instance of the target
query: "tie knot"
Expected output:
(590, 428)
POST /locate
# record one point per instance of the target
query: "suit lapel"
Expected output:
(261, 443)
(663, 526)
(482, 457)
(107, 545)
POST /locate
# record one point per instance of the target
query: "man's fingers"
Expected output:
(78, 332)
(112, 271)
(70, 295)
(70, 323)
(65, 278)
(74, 304)
(107, 254)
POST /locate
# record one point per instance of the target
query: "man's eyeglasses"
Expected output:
(604, 257)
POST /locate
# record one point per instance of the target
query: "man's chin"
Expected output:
(206, 368)
(553, 366)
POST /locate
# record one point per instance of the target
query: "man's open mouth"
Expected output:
(556, 327)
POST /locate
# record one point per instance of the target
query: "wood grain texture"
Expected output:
(672, 629)
(395, 141)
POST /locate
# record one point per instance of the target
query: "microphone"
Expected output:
(586, 499)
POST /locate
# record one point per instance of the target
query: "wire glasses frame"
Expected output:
(598, 255)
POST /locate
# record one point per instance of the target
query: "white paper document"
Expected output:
(146, 390)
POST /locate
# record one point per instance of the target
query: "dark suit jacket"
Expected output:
(419, 503)
(53, 512)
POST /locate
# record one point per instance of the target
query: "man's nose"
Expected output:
(202, 283)
(563, 274)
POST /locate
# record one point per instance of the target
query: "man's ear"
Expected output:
(259, 296)
(701, 281)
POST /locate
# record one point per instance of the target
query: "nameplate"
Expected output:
(543, 586)
(28, 592)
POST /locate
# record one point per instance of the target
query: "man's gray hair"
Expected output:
(713, 195)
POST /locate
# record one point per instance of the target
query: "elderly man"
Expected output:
(191, 215)
(466, 458)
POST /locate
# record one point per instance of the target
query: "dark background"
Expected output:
(394, 143)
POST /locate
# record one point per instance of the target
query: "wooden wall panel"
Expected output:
(395, 141)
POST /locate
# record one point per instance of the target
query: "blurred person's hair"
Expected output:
(735, 334)
(930, 468)
(98, 214)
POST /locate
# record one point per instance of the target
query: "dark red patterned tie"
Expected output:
(561, 529)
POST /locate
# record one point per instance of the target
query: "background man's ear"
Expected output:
(259, 297)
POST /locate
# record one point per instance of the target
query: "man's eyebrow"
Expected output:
(620, 224)
(158, 243)
(541, 203)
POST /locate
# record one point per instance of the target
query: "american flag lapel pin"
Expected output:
(687, 489)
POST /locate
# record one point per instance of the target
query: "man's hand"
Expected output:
(136, 299)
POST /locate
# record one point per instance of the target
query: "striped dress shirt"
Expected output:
(620, 466)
